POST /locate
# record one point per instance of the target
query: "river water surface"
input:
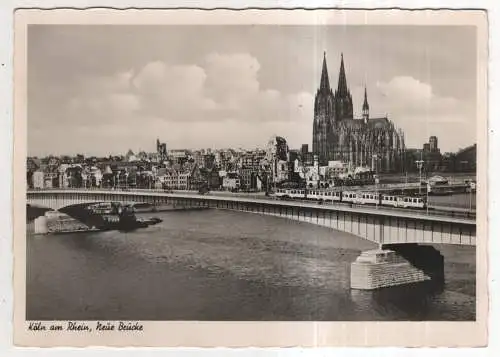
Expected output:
(223, 265)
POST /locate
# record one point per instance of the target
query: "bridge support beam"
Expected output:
(394, 265)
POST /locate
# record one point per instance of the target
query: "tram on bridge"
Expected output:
(352, 197)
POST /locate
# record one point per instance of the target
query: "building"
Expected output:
(64, 177)
(337, 169)
(231, 181)
(432, 145)
(311, 174)
(161, 150)
(277, 157)
(50, 179)
(177, 155)
(174, 180)
(209, 161)
(198, 158)
(338, 136)
(431, 155)
(38, 180)
(252, 159)
(214, 180)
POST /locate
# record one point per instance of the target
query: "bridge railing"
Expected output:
(454, 213)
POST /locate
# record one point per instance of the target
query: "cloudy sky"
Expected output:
(105, 89)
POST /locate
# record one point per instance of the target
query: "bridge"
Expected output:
(376, 224)
(405, 232)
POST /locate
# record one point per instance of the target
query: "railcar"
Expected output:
(369, 198)
(331, 196)
(411, 202)
(389, 200)
(349, 196)
(287, 193)
(353, 197)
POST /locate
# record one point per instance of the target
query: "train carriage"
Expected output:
(314, 194)
(331, 196)
(411, 202)
(369, 198)
(389, 200)
(349, 196)
(298, 194)
(362, 198)
(281, 193)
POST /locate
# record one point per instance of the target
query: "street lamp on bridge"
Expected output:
(375, 159)
(420, 164)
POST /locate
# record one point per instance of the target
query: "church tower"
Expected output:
(343, 98)
(366, 109)
(323, 116)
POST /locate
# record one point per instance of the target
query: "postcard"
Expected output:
(250, 178)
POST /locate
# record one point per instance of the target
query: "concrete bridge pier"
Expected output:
(397, 264)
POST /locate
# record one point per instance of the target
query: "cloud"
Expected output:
(224, 87)
(416, 108)
(219, 100)
(411, 96)
(175, 93)
(232, 78)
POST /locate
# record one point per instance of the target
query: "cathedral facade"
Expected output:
(338, 136)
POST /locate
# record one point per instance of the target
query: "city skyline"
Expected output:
(238, 93)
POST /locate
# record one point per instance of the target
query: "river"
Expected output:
(223, 265)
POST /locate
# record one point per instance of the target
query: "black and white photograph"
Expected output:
(251, 171)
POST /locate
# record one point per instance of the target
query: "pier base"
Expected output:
(397, 265)
(41, 226)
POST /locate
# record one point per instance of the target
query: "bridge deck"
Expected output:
(429, 215)
(378, 224)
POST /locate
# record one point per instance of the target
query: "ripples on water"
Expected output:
(220, 265)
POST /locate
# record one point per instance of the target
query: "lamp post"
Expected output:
(375, 157)
(470, 196)
(420, 164)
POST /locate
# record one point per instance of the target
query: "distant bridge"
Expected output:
(379, 225)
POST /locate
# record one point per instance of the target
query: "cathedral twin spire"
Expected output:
(338, 136)
(342, 89)
(342, 97)
(325, 81)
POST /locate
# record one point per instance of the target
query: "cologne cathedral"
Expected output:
(338, 136)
